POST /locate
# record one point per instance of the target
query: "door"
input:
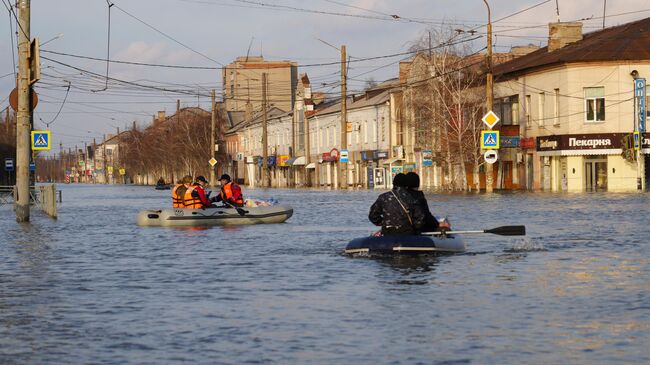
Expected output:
(595, 174)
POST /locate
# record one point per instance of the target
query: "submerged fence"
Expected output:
(46, 197)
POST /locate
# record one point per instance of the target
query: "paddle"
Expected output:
(239, 210)
(502, 231)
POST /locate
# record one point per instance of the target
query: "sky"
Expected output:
(207, 34)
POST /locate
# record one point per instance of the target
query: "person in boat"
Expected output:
(397, 211)
(161, 182)
(230, 192)
(431, 224)
(178, 192)
(195, 196)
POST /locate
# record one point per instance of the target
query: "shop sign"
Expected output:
(596, 141)
(509, 141)
(32, 167)
(282, 160)
(409, 167)
(371, 178)
(527, 143)
(380, 172)
(369, 155)
(382, 154)
(427, 158)
(271, 160)
(394, 170)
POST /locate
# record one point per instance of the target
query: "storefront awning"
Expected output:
(393, 160)
(290, 161)
(312, 165)
(299, 161)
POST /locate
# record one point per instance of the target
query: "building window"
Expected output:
(507, 109)
(556, 109)
(595, 104)
(541, 105)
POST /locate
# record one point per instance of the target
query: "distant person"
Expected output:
(195, 197)
(230, 192)
(161, 181)
(178, 192)
(397, 211)
(431, 224)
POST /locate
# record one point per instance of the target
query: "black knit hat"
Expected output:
(399, 180)
(225, 177)
(202, 179)
(412, 180)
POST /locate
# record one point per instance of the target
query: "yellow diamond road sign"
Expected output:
(212, 161)
(490, 119)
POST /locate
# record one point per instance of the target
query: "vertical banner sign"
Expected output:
(640, 92)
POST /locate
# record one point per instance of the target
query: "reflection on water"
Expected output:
(92, 287)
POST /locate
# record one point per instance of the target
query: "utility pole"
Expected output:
(104, 159)
(307, 146)
(212, 136)
(265, 140)
(23, 125)
(94, 161)
(343, 167)
(489, 91)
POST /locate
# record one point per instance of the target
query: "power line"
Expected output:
(167, 35)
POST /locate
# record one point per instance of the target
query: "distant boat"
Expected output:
(163, 187)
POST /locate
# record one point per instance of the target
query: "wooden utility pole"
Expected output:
(343, 167)
(307, 145)
(104, 159)
(213, 146)
(489, 91)
(265, 140)
(23, 127)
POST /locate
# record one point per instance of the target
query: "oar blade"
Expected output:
(508, 230)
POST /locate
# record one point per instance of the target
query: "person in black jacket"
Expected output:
(431, 224)
(396, 211)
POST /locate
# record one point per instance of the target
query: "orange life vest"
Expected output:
(177, 201)
(228, 196)
(190, 201)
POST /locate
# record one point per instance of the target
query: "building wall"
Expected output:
(242, 82)
(621, 175)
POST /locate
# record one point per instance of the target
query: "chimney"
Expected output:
(562, 34)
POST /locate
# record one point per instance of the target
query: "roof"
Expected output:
(627, 42)
(373, 96)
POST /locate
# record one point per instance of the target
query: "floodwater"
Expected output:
(94, 288)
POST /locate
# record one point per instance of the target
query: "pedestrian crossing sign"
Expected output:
(41, 141)
(490, 140)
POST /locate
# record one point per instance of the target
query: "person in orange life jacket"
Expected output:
(230, 192)
(178, 192)
(195, 197)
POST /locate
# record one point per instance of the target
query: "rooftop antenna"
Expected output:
(261, 53)
(557, 9)
(249, 48)
(604, 12)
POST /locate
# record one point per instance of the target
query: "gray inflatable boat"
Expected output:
(182, 217)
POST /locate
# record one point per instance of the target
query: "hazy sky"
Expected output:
(209, 33)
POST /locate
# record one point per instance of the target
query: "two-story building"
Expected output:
(574, 103)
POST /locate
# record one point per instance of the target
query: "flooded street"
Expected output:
(94, 288)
